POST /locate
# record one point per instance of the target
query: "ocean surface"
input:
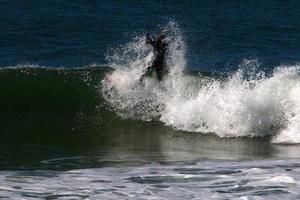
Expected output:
(76, 122)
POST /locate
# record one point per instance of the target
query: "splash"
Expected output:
(243, 107)
(248, 103)
(123, 90)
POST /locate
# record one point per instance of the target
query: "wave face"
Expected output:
(50, 105)
(45, 103)
(246, 103)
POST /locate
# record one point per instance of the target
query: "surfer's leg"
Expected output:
(148, 72)
(159, 73)
(160, 69)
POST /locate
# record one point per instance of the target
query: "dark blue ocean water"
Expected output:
(218, 34)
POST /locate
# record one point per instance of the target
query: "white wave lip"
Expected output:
(242, 105)
(238, 107)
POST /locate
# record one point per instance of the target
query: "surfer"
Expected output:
(159, 60)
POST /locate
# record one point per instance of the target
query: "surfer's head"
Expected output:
(162, 34)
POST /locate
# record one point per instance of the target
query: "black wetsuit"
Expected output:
(159, 61)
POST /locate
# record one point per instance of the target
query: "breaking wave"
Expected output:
(246, 103)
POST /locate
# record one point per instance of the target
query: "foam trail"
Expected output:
(248, 103)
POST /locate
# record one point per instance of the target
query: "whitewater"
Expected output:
(245, 103)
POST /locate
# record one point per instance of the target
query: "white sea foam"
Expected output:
(239, 107)
(283, 179)
(247, 103)
(201, 180)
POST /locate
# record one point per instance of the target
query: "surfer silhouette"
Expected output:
(159, 60)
